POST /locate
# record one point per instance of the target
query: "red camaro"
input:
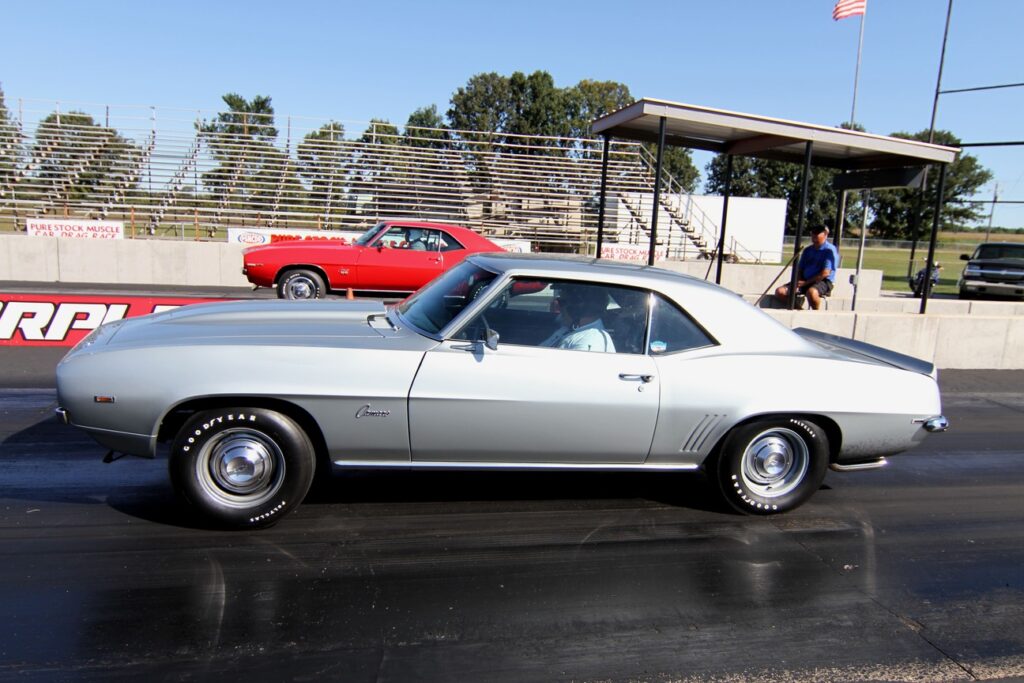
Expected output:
(392, 256)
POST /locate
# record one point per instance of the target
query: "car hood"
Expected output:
(282, 249)
(249, 323)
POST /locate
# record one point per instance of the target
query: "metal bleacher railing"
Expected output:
(191, 178)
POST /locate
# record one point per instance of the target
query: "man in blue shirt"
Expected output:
(816, 271)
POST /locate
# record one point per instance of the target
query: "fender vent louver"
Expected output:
(705, 428)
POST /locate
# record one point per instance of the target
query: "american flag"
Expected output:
(849, 8)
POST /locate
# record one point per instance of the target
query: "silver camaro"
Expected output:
(504, 362)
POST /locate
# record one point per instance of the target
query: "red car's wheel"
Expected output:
(301, 284)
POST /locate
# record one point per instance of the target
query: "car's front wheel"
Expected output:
(772, 465)
(301, 284)
(242, 467)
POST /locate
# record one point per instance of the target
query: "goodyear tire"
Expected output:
(772, 465)
(301, 284)
(241, 467)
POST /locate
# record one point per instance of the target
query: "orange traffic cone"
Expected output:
(349, 294)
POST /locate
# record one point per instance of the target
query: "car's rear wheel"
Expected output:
(301, 283)
(772, 465)
(242, 467)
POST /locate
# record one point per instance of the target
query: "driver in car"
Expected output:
(579, 311)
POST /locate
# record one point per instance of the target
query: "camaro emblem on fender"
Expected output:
(367, 411)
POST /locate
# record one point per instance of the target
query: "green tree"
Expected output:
(12, 154)
(678, 163)
(245, 118)
(322, 159)
(426, 128)
(381, 132)
(894, 210)
(250, 169)
(74, 158)
(766, 178)
(589, 100)
(535, 107)
(482, 105)
(381, 169)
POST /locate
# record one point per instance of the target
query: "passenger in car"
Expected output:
(580, 309)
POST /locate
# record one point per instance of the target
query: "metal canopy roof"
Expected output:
(729, 132)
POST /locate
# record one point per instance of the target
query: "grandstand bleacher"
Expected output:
(195, 181)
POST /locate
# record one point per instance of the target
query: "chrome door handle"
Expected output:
(646, 379)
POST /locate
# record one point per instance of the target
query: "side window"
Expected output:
(413, 239)
(561, 314)
(449, 243)
(673, 330)
(394, 238)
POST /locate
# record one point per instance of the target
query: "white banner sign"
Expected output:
(630, 252)
(74, 228)
(252, 237)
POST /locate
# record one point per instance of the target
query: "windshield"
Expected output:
(437, 304)
(367, 236)
(995, 251)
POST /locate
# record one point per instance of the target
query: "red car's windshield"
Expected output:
(368, 236)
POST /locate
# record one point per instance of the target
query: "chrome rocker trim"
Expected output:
(617, 467)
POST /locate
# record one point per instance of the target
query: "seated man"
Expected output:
(816, 270)
(580, 309)
(417, 239)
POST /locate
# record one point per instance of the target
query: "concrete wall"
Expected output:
(954, 334)
(949, 341)
(144, 262)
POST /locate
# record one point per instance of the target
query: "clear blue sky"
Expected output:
(353, 61)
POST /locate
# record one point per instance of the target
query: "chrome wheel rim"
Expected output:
(300, 287)
(775, 462)
(241, 468)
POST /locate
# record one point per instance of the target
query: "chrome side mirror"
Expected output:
(491, 340)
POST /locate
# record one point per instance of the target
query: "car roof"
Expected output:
(423, 224)
(571, 265)
(470, 237)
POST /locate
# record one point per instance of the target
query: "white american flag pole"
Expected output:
(842, 10)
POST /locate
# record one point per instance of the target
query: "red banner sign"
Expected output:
(63, 320)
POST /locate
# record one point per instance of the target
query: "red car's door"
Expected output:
(402, 259)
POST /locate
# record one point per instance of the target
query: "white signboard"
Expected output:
(515, 246)
(630, 252)
(74, 228)
(252, 237)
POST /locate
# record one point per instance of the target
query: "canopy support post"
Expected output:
(936, 220)
(604, 193)
(808, 153)
(657, 191)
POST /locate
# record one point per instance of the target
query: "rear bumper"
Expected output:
(938, 423)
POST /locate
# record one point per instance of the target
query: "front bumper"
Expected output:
(1007, 289)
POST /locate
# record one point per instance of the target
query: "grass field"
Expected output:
(893, 264)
